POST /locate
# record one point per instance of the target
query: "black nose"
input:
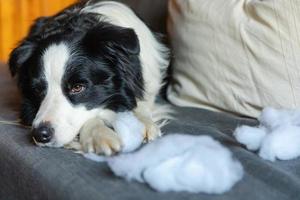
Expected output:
(43, 133)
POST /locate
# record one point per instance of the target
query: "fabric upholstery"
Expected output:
(237, 56)
(153, 13)
(33, 173)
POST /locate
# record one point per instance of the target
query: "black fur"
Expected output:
(105, 60)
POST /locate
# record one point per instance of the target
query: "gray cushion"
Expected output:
(30, 172)
(153, 12)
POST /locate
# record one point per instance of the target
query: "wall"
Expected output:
(16, 16)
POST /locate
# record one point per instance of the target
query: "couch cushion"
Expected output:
(237, 55)
(31, 172)
(153, 13)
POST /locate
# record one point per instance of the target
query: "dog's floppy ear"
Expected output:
(119, 46)
(120, 38)
(19, 56)
(128, 41)
(21, 53)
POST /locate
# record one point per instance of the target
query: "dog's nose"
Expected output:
(43, 133)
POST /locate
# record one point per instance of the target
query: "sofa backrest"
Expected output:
(152, 12)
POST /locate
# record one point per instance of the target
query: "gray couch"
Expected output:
(30, 172)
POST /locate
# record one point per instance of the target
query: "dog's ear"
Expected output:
(121, 47)
(38, 26)
(19, 56)
(22, 52)
(127, 40)
(114, 37)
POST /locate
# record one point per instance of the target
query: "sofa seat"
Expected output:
(31, 172)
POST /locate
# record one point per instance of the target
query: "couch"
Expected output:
(30, 172)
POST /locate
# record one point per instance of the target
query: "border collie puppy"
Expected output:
(80, 67)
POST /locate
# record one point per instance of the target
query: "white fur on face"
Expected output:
(65, 118)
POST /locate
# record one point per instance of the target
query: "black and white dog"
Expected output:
(80, 67)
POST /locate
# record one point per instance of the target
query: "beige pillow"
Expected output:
(235, 55)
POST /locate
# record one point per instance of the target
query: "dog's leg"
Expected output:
(143, 113)
(96, 137)
(152, 131)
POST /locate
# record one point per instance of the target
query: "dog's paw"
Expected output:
(101, 143)
(74, 145)
(96, 137)
(152, 132)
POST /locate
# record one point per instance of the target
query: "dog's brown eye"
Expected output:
(77, 88)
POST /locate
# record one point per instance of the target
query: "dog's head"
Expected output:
(71, 68)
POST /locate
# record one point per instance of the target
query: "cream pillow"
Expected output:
(235, 55)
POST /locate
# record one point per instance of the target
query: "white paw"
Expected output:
(96, 137)
(152, 131)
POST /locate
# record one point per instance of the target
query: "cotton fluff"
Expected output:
(272, 118)
(130, 130)
(283, 143)
(179, 162)
(250, 136)
(277, 137)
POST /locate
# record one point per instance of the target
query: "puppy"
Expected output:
(80, 67)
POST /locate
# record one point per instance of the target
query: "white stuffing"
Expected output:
(250, 136)
(283, 143)
(175, 162)
(277, 137)
(130, 130)
(179, 162)
(272, 118)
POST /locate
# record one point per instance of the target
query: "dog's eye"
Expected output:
(77, 88)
